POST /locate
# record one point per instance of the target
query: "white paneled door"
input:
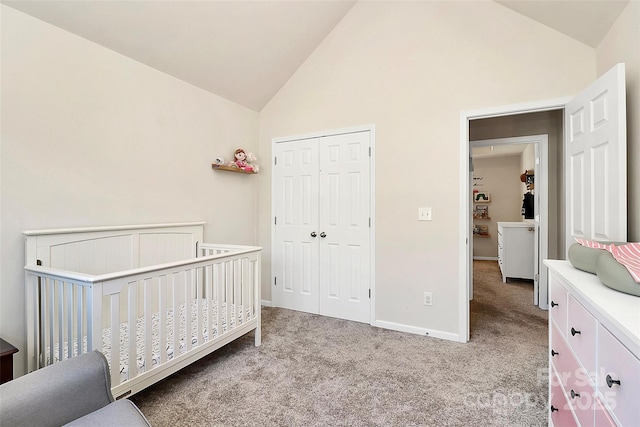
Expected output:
(321, 235)
(595, 161)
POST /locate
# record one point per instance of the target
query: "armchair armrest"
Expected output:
(57, 394)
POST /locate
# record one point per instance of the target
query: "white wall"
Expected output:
(622, 44)
(90, 137)
(410, 68)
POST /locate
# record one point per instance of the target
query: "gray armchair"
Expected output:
(74, 392)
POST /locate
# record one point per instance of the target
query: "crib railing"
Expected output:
(69, 312)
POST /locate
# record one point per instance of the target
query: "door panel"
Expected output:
(296, 216)
(344, 218)
(596, 147)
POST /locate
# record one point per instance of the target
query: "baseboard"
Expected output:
(418, 331)
(485, 258)
(266, 303)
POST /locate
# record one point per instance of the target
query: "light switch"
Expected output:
(424, 214)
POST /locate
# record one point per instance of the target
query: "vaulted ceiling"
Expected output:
(245, 51)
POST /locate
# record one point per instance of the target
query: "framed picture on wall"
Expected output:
(481, 212)
(481, 197)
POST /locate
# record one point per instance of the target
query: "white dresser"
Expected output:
(594, 351)
(516, 250)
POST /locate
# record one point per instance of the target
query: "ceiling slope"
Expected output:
(587, 21)
(245, 51)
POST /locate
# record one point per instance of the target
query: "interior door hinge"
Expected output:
(369, 151)
(536, 277)
(369, 293)
(275, 220)
(369, 222)
(275, 281)
(275, 160)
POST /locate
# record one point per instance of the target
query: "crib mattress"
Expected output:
(167, 347)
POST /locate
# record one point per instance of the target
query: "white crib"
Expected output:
(152, 298)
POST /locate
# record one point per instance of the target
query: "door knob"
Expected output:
(323, 234)
(313, 234)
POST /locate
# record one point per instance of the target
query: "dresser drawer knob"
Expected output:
(611, 381)
(574, 394)
(554, 409)
(574, 331)
(553, 304)
(553, 353)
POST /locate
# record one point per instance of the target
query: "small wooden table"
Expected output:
(6, 361)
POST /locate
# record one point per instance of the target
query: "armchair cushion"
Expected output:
(120, 413)
(60, 393)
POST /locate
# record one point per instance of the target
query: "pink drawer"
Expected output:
(560, 413)
(603, 419)
(581, 333)
(558, 303)
(581, 397)
(618, 364)
(561, 356)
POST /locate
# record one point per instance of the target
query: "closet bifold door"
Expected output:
(321, 226)
(344, 193)
(295, 225)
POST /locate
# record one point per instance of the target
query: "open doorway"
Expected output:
(509, 184)
(518, 127)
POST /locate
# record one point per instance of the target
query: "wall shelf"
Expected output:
(231, 169)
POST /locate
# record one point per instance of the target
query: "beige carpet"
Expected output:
(318, 371)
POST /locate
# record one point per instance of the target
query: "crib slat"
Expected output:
(44, 330)
(237, 294)
(79, 298)
(68, 315)
(219, 274)
(114, 324)
(176, 327)
(59, 308)
(209, 299)
(162, 313)
(148, 329)
(132, 323)
(51, 320)
(246, 280)
(228, 295)
(246, 290)
(199, 285)
(187, 310)
(89, 317)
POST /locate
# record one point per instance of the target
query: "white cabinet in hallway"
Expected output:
(516, 248)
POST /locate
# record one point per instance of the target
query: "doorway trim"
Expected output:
(465, 197)
(372, 211)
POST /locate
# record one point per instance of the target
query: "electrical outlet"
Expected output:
(424, 214)
(428, 298)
